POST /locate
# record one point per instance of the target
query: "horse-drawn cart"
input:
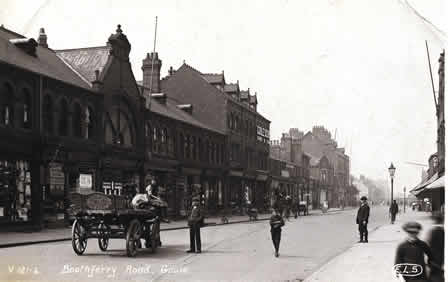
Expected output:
(108, 217)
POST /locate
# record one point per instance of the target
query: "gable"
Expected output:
(117, 76)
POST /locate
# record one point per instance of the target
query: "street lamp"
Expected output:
(392, 173)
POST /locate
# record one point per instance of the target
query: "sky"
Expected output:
(358, 67)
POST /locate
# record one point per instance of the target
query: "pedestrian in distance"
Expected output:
(436, 244)
(194, 222)
(410, 255)
(393, 210)
(362, 219)
(276, 223)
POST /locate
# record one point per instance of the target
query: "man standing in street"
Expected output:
(362, 218)
(393, 210)
(194, 222)
(276, 223)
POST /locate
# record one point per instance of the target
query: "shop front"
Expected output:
(212, 182)
(165, 173)
(185, 180)
(15, 191)
(235, 188)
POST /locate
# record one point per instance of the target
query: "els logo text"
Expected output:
(408, 269)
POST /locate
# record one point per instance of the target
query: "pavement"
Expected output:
(49, 235)
(372, 261)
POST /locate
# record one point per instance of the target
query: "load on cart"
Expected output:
(106, 217)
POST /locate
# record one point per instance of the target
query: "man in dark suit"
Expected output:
(393, 210)
(194, 222)
(362, 218)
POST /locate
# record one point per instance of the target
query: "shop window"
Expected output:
(63, 120)
(7, 105)
(26, 109)
(193, 148)
(187, 147)
(48, 115)
(76, 120)
(15, 191)
(182, 146)
(200, 150)
(88, 120)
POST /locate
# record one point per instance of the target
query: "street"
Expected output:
(232, 252)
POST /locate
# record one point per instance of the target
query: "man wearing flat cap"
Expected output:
(194, 222)
(362, 218)
(411, 253)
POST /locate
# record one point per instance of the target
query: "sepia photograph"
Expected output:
(212, 140)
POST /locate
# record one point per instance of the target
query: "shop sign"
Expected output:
(285, 173)
(85, 181)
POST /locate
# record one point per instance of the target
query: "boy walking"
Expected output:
(412, 252)
(276, 223)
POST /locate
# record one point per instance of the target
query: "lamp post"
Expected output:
(392, 173)
(404, 199)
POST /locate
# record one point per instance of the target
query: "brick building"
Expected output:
(76, 120)
(225, 107)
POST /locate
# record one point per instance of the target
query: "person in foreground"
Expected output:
(362, 219)
(410, 255)
(276, 223)
(194, 222)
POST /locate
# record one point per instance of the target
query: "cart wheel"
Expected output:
(155, 236)
(103, 236)
(133, 238)
(79, 237)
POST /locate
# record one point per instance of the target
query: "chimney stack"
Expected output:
(151, 73)
(42, 39)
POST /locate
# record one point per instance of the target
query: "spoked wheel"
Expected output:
(79, 237)
(133, 238)
(154, 236)
(103, 236)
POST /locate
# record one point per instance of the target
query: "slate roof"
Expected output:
(46, 62)
(213, 78)
(170, 110)
(84, 61)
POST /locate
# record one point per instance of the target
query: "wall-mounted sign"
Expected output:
(85, 181)
(285, 173)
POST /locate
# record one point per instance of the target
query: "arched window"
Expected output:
(89, 121)
(6, 105)
(63, 119)
(77, 121)
(26, 109)
(48, 115)
(118, 130)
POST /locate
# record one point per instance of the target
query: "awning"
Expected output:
(417, 189)
(439, 183)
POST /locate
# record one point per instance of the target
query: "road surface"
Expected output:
(241, 252)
